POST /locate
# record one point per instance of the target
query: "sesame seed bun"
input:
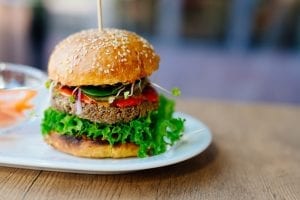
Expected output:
(94, 57)
(89, 148)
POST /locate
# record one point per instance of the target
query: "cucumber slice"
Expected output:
(97, 91)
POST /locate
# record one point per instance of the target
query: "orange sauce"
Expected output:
(13, 103)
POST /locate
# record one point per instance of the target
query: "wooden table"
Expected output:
(255, 154)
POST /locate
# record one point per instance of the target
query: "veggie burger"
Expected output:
(102, 102)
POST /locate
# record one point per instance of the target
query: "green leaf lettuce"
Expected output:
(152, 133)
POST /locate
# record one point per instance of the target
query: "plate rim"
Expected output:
(155, 162)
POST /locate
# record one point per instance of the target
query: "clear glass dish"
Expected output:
(22, 94)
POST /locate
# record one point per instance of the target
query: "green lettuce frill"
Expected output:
(152, 133)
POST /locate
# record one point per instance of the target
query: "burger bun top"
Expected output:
(107, 57)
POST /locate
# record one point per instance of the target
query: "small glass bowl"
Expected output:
(15, 79)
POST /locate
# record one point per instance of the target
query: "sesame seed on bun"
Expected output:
(94, 57)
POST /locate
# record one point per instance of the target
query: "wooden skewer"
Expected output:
(99, 9)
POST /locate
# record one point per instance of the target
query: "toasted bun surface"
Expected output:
(94, 57)
(89, 148)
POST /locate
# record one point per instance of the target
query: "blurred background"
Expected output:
(237, 50)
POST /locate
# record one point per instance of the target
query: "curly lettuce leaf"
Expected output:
(153, 133)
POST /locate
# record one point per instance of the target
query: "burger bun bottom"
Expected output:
(89, 148)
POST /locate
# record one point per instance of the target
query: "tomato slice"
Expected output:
(66, 91)
(132, 101)
(86, 99)
(149, 94)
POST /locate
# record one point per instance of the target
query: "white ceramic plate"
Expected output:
(25, 148)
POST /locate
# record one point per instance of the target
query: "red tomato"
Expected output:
(86, 99)
(66, 91)
(132, 101)
(149, 94)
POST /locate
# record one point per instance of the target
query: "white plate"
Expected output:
(25, 148)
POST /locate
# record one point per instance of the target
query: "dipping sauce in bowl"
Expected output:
(21, 94)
